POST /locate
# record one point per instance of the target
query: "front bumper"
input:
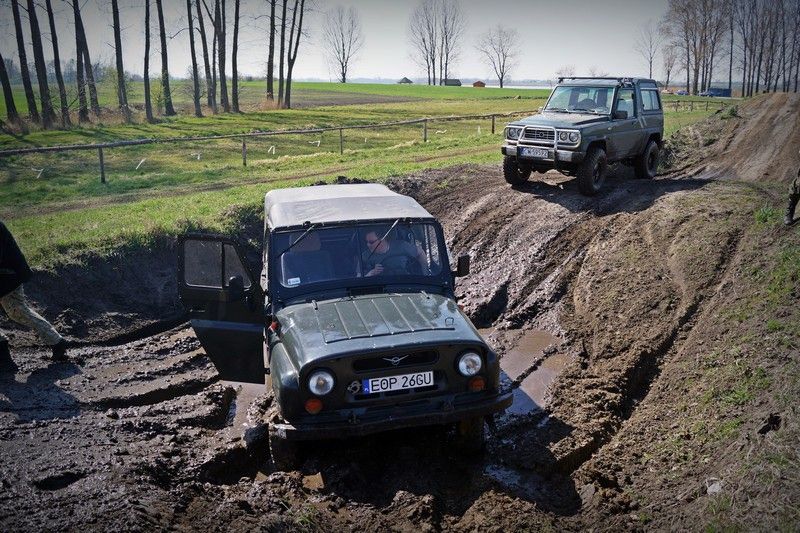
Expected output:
(566, 156)
(366, 420)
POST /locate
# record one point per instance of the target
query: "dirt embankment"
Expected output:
(669, 306)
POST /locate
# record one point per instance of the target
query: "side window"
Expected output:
(205, 266)
(650, 101)
(625, 102)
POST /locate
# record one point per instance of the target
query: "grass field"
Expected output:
(58, 208)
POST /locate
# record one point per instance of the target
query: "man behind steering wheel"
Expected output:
(391, 257)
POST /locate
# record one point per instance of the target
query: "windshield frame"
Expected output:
(343, 286)
(613, 89)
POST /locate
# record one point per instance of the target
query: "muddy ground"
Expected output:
(650, 335)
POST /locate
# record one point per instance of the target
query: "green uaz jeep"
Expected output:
(352, 321)
(587, 124)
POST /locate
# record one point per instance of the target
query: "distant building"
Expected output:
(479, 83)
(405, 80)
(452, 83)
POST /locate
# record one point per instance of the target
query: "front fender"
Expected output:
(285, 383)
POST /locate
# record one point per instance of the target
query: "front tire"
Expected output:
(646, 164)
(285, 454)
(470, 435)
(514, 172)
(592, 172)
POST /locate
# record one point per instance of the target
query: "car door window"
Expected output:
(625, 102)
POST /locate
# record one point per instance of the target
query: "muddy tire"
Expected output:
(592, 172)
(470, 435)
(284, 454)
(646, 164)
(514, 172)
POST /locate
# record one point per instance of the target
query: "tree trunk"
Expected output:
(122, 93)
(293, 55)
(169, 110)
(48, 115)
(234, 53)
(271, 52)
(148, 104)
(282, 55)
(210, 98)
(221, 37)
(80, 35)
(62, 90)
(33, 111)
(11, 108)
(83, 107)
(195, 74)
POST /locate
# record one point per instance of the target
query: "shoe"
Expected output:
(6, 363)
(789, 218)
(60, 352)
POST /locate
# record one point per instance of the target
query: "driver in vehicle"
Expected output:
(391, 257)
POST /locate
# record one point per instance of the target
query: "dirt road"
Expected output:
(649, 335)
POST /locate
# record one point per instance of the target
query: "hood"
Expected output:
(561, 120)
(332, 328)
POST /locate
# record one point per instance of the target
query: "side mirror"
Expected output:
(620, 115)
(236, 288)
(463, 266)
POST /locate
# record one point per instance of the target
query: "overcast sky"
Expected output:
(552, 34)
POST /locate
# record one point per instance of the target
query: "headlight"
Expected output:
(562, 135)
(469, 364)
(513, 133)
(320, 382)
(574, 136)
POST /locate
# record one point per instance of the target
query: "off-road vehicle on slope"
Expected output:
(587, 124)
(352, 321)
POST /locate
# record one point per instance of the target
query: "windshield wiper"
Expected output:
(300, 238)
(559, 109)
(396, 222)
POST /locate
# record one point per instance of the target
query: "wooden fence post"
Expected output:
(691, 105)
(102, 165)
(706, 106)
(341, 141)
(493, 124)
(425, 130)
(244, 153)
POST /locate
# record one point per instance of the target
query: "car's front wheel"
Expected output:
(516, 172)
(285, 454)
(646, 164)
(592, 172)
(470, 435)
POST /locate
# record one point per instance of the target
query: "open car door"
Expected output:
(225, 304)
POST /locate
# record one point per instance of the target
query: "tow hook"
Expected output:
(447, 405)
(353, 419)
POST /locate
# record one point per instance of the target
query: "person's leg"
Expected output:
(17, 308)
(794, 196)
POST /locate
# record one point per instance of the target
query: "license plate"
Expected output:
(526, 151)
(401, 382)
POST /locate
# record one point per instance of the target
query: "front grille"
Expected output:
(533, 134)
(405, 360)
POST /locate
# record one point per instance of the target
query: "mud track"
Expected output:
(592, 303)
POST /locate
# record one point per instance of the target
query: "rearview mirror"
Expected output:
(620, 115)
(463, 266)
(236, 288)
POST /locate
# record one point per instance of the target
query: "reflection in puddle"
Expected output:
(528, 485)
(529, 348)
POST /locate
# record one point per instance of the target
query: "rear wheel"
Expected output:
(646, 164)
(470, 435)
(592, 172)
(514, 171)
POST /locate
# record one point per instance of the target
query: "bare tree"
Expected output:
(148, 104)
(451, 30)
(647, 44)
(210, 85)
(234, 55)
(596, 72)
(85, 59)
(33, 111)
(11, 109)
(219, 24)
(122, 95)
(271, 52)
(195, 81)
(282, 54)
(295, 33)
(343, 38)
(48, 114)
(669, 56)
(498, 51)
(424, 31)
(83, 107)
(62, 90)
(169, 110)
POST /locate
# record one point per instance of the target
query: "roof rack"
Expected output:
(620, 80)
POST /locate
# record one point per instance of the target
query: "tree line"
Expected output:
(756, 42)
(208, 25)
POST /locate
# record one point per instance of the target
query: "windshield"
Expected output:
(582, 99)
(331, 254)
